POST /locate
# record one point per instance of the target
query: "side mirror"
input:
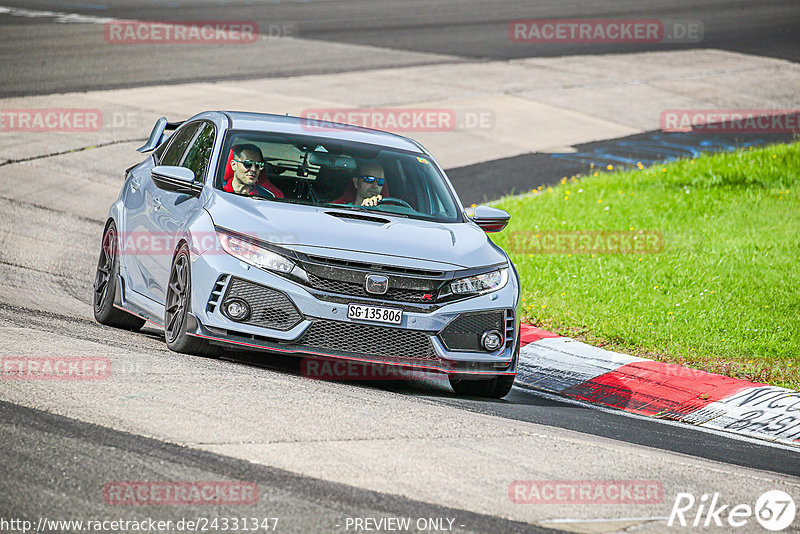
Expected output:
(176, 179)
(490, 219)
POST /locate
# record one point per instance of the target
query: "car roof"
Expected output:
(302, 126)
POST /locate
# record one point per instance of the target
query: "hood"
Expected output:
(345, 234)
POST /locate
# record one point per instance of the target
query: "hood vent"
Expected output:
(358, 217)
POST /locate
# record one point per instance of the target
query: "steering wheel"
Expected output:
(396, 201)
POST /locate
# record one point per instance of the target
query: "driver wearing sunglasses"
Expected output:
(247, 164)
(369, 181)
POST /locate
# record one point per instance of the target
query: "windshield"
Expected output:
(334, 173)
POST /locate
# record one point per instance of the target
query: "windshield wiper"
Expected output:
(364, 210)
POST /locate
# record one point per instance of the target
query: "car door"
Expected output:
(133, 228)
(155, 243)
(137, 235)
(171, 211)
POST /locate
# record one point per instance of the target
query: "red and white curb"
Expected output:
(573, 369)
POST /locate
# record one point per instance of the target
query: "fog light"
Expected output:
(236, 309)
(491, 340)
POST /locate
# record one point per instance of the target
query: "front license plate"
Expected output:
(374, 313)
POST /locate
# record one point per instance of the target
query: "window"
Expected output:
(159, 152)
(342, 174)
(197, 158)
(181, 140)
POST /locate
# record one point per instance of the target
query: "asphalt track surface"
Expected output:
(40, 57)
(87, 456)
(55, 466)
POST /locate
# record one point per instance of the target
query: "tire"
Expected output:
(105, 286)
(178, 303)
(496, 387)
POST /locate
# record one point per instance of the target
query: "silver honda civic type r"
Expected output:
(310, 238)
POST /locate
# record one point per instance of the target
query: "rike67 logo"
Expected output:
(774, 510)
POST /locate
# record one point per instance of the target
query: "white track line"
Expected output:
(603, 520)
(57, 16)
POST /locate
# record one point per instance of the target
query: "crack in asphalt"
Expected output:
(22, 317)
(630, 81)
(348, 440)
(48, 209)
(40, 271)
(70, 151)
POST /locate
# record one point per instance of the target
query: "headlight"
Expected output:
(482, 283)
(254, 255)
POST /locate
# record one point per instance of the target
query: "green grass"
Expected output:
(723, 295)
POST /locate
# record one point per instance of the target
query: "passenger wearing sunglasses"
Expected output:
(369, 186)
(248, 178)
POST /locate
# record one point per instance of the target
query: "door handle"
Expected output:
(135, 185)
(157, 203)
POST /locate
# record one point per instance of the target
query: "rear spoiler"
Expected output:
(157, 135)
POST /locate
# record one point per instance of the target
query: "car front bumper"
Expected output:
(301, 320)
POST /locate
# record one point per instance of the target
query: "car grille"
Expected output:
(464, 333)
(357, 289)
(269, 308)
(348, 264)
(367, 340)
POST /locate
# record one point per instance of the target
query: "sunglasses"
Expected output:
(249, 163)
(370, 179)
